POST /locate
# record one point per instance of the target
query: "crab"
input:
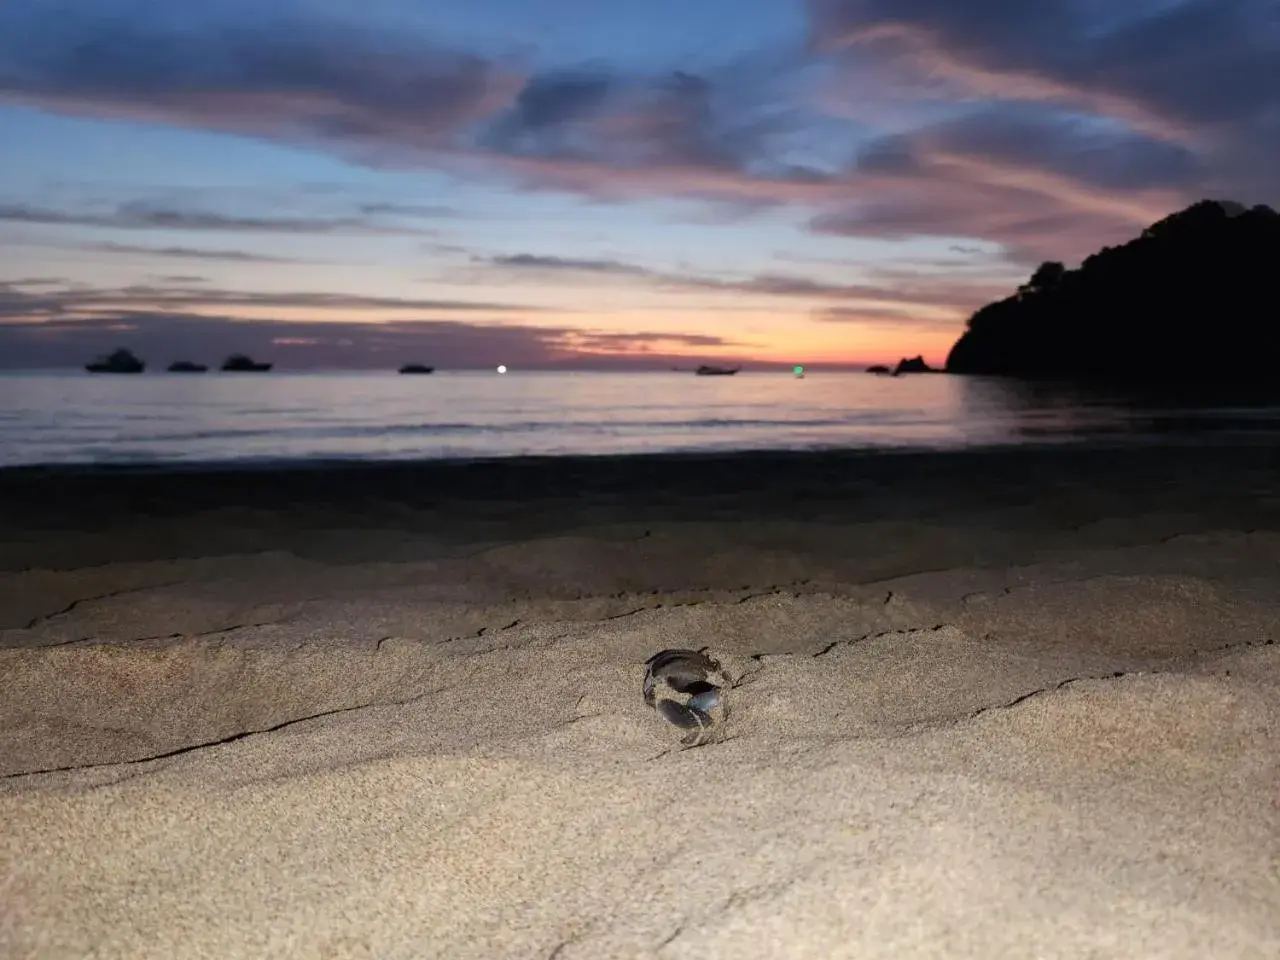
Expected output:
(685, 687)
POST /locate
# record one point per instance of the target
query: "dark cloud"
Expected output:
(18, 303)
(1044, 183)
(613, 123)
(530, 261)
(35, 282)
(393, 97)
(610, 339)
(428, 211)
(1078, 147)
(1204, 61)
(888, 317)
(918, 291)
(1031, 226)
(549, 104)
(145, 215)
(1096, 119)
(1021, 30)
(187, 253)
(1192, 60)
(1206, 72)
(288, 76)
(73, 300)
(733, 136)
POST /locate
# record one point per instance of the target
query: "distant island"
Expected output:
(905, 365)
(242, 363)
(417, 368)
(912, 365)
(1193, 298)
(186, 366)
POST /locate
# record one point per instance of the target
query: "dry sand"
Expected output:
(986, 705)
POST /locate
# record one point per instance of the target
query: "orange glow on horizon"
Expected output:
(781, 337)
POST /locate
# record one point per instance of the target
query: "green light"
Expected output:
(797, 369)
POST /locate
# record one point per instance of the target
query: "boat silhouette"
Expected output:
(706, 370)
(118, 361)
(186, 366)
(243, 363)
(416, 368)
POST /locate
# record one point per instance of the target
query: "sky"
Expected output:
(548, 183)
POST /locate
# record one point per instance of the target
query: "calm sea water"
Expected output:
(73, 417)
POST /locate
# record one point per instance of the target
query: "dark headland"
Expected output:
(1193, 299)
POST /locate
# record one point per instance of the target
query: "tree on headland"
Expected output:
(1047, 276)
(1192, 298)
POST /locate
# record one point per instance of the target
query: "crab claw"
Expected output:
(686, 717)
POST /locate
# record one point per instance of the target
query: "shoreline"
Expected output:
(612, 464)
(782, 484)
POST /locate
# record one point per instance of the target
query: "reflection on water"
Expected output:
(1066, 411)
(73, 417)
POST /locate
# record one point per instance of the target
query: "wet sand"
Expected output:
(996, 703)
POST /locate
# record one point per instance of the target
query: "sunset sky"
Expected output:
(584, 182)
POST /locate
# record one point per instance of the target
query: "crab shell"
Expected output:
(685, 671)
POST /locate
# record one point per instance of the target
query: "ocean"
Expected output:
(71, 417)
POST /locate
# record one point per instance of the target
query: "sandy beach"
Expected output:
(1006, 703)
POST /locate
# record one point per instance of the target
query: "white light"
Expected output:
(502, 368)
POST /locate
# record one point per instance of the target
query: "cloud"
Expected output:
(1059, 126)
(544, 112)
(1201, 71)
(886, 316)
(187, 253)
(1034, 213)
(428, 211)
(730, 134)
(912, 289)
(1076, 147)
(1034, 152)
(287, 74)
(535, 262)
(182, 278)
(388, 96)
(72, 300)
(1162, 57)
(1031, 226)
(1044, 183)
(35, 282)
(145, 215)
(673, 121)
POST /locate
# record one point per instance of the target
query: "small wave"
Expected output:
(582, 425)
